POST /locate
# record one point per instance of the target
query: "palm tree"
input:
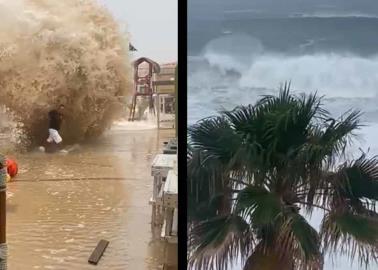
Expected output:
(257, 172)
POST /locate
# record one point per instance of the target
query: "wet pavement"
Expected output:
(62, 205)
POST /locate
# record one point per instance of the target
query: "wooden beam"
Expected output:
(3, 214)
(97, 253)
(165, 82)
(174, 224)
(3, 195)
(2, 217)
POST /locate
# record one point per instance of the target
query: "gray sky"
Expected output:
(152, 25)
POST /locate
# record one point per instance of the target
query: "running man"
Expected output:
(55, 121)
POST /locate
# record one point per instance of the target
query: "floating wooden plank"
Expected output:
(97, 253)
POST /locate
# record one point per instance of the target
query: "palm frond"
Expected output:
(358, 180)
(338, 134)
(351, 234)
(259, 205)
(276, 127)
(206, 187)
(324, 146)
(216, 242)
(208, 197)
(215, 138)
(300, 240)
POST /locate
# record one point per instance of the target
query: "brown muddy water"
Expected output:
(62, 205)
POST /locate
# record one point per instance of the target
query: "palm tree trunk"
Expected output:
(267, 261)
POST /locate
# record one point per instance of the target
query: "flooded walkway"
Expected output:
(62, 205)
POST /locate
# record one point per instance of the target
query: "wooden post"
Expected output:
(3, 182)
(158, 111)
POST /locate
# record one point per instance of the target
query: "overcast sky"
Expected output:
(152, 25)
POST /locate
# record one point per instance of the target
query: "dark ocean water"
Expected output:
(302, 35)
(238, 60)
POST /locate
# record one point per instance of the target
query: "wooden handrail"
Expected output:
(167, 82)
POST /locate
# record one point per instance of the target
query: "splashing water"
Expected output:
(61, 52)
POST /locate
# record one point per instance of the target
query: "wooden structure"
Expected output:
(170, 203)
(165, 91)
(161, 165)
(3, 244)
(170, 221)
(144, 70)
(164, 199)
